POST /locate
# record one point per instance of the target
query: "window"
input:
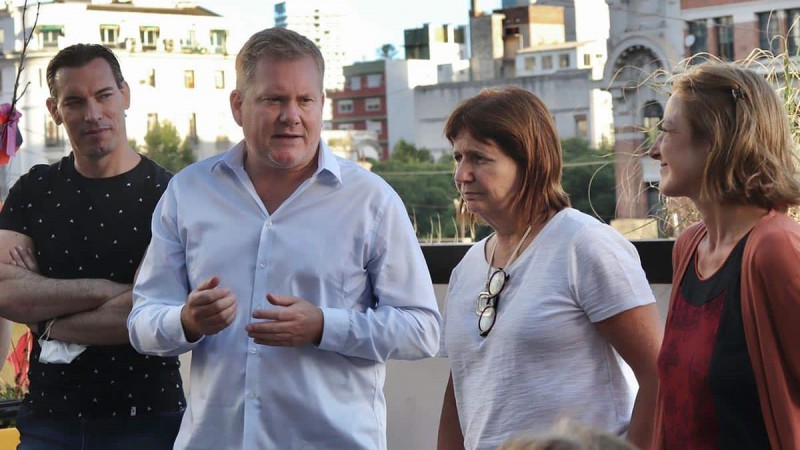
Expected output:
(355, 83)
(344, 106)
(49, 34)
(109, 35)
(563, 61)
(374, 80)
(724, 27)
(192, 134)
(149, 78)
(530, 64)
(793, 38)
(219, 79)
(152, 121)
(587, 59)
(769, 30)
(190, 42)
(547, 62)
(188, 79)
(375, 125)
(699, 43)
(219, 39)
(149, 37)
(581, 126)
(373, 104)
(347, 126)
(52, 133)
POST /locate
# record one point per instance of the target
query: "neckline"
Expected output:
(514, 253)
(737, 250)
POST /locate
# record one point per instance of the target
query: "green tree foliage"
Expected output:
(427, 189)
(163, 145)
(589, 178)
(386, 51)
(406, 152)
(429, 193)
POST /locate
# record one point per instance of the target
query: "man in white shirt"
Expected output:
(292, 274)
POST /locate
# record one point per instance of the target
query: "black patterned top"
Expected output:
(93, 228)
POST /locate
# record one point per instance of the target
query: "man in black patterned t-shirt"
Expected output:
(72, 235)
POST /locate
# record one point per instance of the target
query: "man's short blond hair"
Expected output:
(275, 43)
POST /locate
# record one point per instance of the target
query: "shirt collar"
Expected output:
(326, 160)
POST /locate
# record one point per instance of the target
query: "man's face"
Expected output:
(281, 113)
(92, 108)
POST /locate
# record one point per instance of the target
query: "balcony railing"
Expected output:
(655, 255)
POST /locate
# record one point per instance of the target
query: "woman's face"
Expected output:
(486, 178)
(682, 159)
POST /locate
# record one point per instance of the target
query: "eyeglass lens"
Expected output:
(487, 319)
(496, 282)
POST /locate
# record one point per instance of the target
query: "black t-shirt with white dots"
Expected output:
(93, 228)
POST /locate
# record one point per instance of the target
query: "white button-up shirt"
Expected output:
(342, 241)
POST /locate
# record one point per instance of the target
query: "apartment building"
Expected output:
(324, 23)
(379, 96)
(177, 57)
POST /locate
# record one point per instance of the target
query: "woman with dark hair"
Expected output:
(729, 368)
(543, 317)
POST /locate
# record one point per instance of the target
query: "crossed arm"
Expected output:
(89, 311)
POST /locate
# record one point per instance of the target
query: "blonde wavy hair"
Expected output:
(737, 112)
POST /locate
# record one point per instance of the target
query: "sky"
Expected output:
(373, 22)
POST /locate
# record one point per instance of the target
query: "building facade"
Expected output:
(379, 96)
(652, 37)
(178, 58)
(528, 45)
(323, 22)
(579, 109)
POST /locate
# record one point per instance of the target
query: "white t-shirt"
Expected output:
(544, 359)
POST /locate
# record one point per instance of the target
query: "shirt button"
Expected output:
(269, 224)
(253, 351)
(252, 395)
(262, 264)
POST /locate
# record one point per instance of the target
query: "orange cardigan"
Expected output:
(771, 314)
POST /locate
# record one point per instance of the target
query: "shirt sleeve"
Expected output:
(14, 214)
(606, 274)
(773, 296)
(405, 322)
(161, 287)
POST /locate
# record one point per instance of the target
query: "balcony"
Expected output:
(414, 389)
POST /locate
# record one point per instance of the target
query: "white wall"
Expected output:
(401, 77)
(567, 93)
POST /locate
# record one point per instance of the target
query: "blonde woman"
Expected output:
(729, 367)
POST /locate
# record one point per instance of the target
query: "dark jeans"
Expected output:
(150, 432)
